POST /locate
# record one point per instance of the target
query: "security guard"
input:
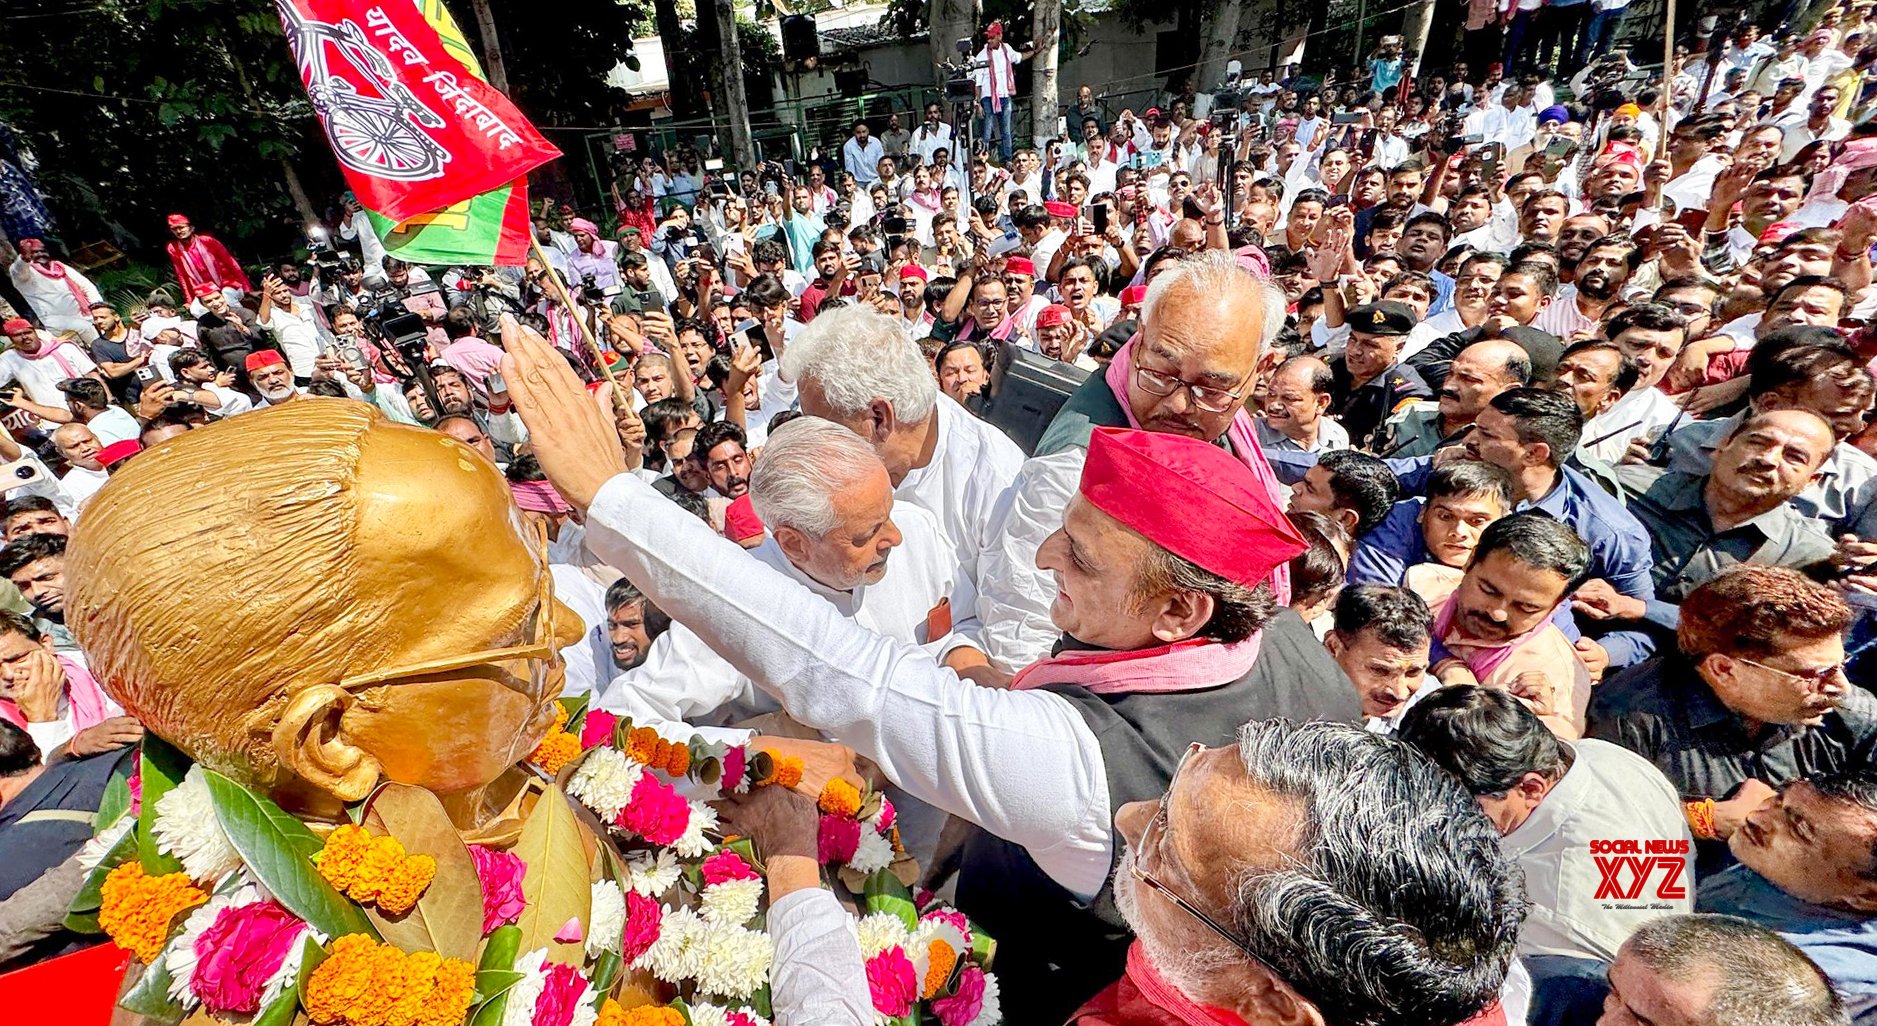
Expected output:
(1371, 380)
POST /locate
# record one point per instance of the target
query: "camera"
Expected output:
(898, 226)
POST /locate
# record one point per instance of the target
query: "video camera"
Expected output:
(959, 86)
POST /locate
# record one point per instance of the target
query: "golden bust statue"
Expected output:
(311, 600)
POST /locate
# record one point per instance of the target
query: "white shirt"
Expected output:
(1690, 189)
(862, 160)
(817, 977)
(1423, 334)
(1799, 134)
(587, 598)
(973, 466)
(297, 334)
(682, 678)
(82, 484)
(52, 299)
(946, 742)
(1608, 794)
(995, 71)
(50, 734)
(1640, 414)
(114, 425)
(40, 378)
(926, 141)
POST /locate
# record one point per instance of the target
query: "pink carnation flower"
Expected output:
(964, 1004)
(500, 873)
(837, 840)
(656, 812)
(735, 764)
(561, 997)
(888, 816)
(240, 952)
(740, 1018)
(135, 782)
(725, 865)
(598, 729)
(644, 917)
(951, 917)
(892, 982)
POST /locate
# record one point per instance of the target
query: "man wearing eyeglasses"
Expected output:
(1187, 372)
(1168, 634)
(1756, 696)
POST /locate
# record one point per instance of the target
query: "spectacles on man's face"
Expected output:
(1815, 680)
(1206, 397)
(1153, 841)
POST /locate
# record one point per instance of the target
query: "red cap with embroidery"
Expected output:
(1052, 316)
(1191, 498)
(205, 291)
(913, 271)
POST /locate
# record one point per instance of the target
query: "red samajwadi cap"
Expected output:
(263, 358)
(740, 522)
(176, 220)
(205, 290)
(1191, 498)
(1052, 316)
(913, 271)
(1058, 208)
(1020, 265)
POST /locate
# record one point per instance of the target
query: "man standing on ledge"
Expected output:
(1170, 636)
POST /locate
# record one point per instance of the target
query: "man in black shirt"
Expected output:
(228, 333)
(120, 352)
(1756, 697)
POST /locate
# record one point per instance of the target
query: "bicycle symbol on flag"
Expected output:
(378, 135)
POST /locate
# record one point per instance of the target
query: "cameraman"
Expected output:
(676, 237)
(595, 261)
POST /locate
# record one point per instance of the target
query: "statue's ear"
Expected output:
(309, 744)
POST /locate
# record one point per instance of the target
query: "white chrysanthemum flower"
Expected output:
(732, 902)
(608, 918)
(527, 990)
(604, 782)
(186, 828)
(678, 953)
(872, 854)
(703, 1013)
(991, 1012)
(736, 961)
(585, 1013)
(934, 928)
(878, 931)
(650, 876)
(93, 851)
(692, 843)
(288, 974)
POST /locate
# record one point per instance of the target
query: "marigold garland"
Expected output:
(784, 771)
(365, 983)
(941, 961)
(678, 762)
(613, 1014)
(641, 745)
(839, 798)
(374, 869)
(554, 752)
(137, 908)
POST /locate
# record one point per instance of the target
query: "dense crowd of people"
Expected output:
(1442, 592)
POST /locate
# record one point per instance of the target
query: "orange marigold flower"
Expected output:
(560, 716)
(420, 971)
(449, 999)
(679, 761)
(554, 752)
(137, 908)
(406, 883)
(640, 744)
(839, 798)
(381, 861)
(941, 960)
(788, 771)
(612, 1014)
(340, 860)
(339, 981)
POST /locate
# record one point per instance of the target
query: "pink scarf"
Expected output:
(1191, 665)
(52, 347)
(1243, 439)
(88, 705)
(1481, 657)
(57, 271)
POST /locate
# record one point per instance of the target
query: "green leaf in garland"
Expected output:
(163, 768)
(279, 850)
(576, 709)
(83, 917)
(115, 802)
(605, 972)
(280, 1012)
(682, 1009)
(760, 1002)
(492, 983)
(311, 955)
(557, 884)
(150, 996)
(884, 893)
(501, 948)
(490, 1012)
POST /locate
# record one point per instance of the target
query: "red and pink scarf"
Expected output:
(1481, 657)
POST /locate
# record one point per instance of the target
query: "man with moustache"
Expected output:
(1293, 415)
(1649, 336)
(1161, 573)
(1519, 297)
(1481, 371)
(1371, 381)
(1602, 269)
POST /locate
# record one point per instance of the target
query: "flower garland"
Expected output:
(558, 748)
(365, 983)
(374, 869)
(136, 908)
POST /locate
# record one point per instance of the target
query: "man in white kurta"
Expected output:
(58, 292)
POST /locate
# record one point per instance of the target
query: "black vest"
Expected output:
(1054, 952)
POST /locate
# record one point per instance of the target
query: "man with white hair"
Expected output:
(1187, 371)
(833, 525)
(1170, 635)
(854, 367)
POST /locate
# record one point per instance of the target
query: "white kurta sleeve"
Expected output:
(1014, 595)
(818, 978)
(680, 679)
(1023, 765)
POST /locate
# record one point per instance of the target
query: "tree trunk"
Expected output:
(1046, 37)
(687, 94)
(951, 20)
(735, 103)
(492, 68)
(1414, 29)
(1218, 44)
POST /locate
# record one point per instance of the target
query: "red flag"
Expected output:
(414, 130)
